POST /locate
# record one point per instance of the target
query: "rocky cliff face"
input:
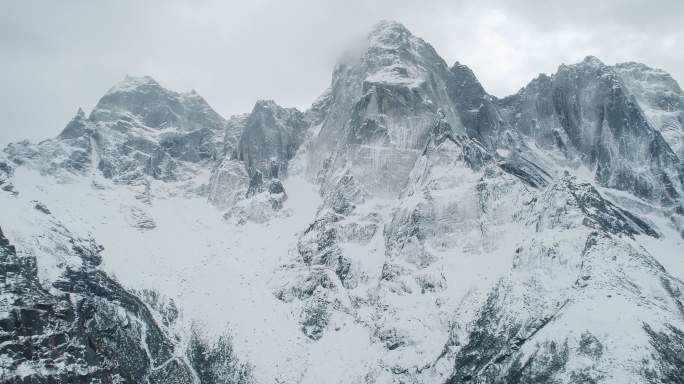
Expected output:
(408, 227)
(138, 130)
(79, 325)
(588, 113)
(660, 98)
(270, 138)
(247, 179)
(382, 107)
(475, 179)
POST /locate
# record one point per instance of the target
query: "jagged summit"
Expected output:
(270, 138)
(389, 34)
(459, 65)
(390, 40)
(588, 111)
(138, 129)
(588, 64)
(641, 67)
(266, 104)
(147, 84)
(648, 78)
(593, 60)
(142, 101)
(384, 26)
(76, 127)
(661, 99)
(134, 83)
(268, 108)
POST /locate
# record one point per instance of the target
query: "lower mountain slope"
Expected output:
(63, 319)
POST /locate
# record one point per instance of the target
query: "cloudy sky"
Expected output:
(59, 55)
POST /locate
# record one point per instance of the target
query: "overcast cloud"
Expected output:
(59, 55)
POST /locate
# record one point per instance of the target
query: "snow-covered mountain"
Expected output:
(408, 228)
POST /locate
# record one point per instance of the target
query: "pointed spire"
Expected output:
(593, 60)
(389, 34)
(384, 26)
(76, 127)
(131, 83)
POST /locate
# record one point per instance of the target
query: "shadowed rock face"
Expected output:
(76, 128)
(660, 98)
(83, 329)
(247, 180)
(269, 139)
(586, 111)
(476, 108)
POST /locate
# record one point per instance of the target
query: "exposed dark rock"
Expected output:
(76, 128)
(604, 214)
(315, 318)
(669, 355)
(319, 246)
(89, 330)
(586, 111)
(276, 187)
(215, 361)
(590, 345)
(269, 139)
(42, 207)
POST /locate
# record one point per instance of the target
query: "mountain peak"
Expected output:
(131, 83)
(645, 71)
(142, 101)
(272, 114)
(459, 65)
(389, 34)
(385, 26)
(76, 126)
(593, 61)
(588, 63)
(265, 104)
